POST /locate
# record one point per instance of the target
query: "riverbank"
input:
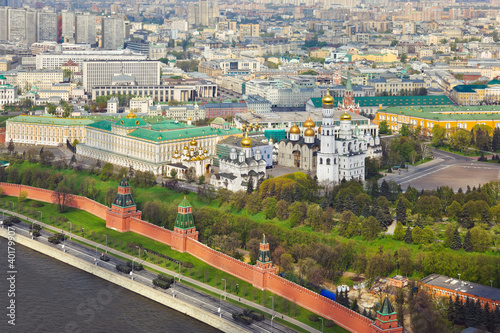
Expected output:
(127, 283)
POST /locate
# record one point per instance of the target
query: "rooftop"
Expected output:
(45, 120)
(459, 113)
(393, 100)
(474, 289)
(293, 117)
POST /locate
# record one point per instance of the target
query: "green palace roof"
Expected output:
(44, 120)
(181, 134)
(387, 101)
(471, 113)
(469, 88)
(168, 125)
(130, 122)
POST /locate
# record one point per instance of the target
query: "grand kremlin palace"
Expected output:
(130, 141)
(449, 117)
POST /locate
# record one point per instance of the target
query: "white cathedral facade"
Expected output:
(342, 154)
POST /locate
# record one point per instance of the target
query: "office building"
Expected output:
(120, 73)
(47, 26)
(67, 26)
(54, 60)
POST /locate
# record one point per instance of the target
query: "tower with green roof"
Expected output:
(264, 259)
(122, 209)
(184, 227)
(264, 266)
(387, 319)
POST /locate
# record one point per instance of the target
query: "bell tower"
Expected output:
(263, 266)
(387, 319)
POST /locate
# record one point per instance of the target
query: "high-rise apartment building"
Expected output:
(208, 12)
(249, 30)
(47, 26)
(85, 29)
(4, 23)
(67, 25)
(113, 33)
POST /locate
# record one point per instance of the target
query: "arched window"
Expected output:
(327, 161)
(320, 161)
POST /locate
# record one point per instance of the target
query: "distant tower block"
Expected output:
(184, 226)
(122, 209)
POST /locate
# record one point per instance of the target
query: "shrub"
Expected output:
(329, 323)
(36, 204)
(187, 264)
(313, 317)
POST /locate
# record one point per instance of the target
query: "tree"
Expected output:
(51, 109)
(286, 262)
(438, 135)
(250, 185)
(454, 210)
(456, 241)
(10, 147)
(424, 315)
(408, 236)
(173, 173)
(418, 235)
(270, 208)
(495, 140)
(370, 228)
(62, 197)
(468, 242)
(297, 212)
(383, 128)
(460, 140)
(401, 211)
(106, 172)
(23, 195)
(314, 216)
(282, 209)
(73, 160)
(403, 57)
(399, 232)
(46, 158)
(480, 239)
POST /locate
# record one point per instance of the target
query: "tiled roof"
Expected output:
(458, 113)
(51, 120)
(393, 100)
(186, 133)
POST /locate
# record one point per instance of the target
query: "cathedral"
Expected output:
(240, 169)
(348, 105)
(342, 153)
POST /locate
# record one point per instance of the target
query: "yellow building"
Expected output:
(319, 54)
(475, 94)
(46, 131)
(451, 118)
(388, 57)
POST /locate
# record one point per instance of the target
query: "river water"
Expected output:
(51, 296)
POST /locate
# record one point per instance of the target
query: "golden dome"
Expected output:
(345, 116)
(319, 130)
(189, 118)
(327, 99)
(131, 115)
(187, 155)
(192, 149)
(193, 142)
(294, 129)
(205, 151)
(176, 152)
(186, 148)
(243, 126)
(200, 148)
(309, 123)
(309, 132)
(246, 142)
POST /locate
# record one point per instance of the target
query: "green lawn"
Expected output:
(95, 229)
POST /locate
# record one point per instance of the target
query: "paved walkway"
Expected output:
(165, 270)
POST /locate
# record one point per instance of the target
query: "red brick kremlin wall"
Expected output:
(310, 300)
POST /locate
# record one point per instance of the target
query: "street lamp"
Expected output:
(107, 245)
(272, 315)
(132, 272)
(220, 306)
(321, 323)
(224, 288)
(41, 216)
(12, 204)
(69, 230)
(459, 276)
